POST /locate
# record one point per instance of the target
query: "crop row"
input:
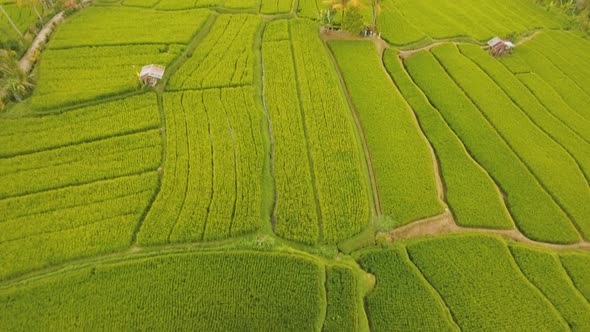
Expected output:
(55, 226)
(211, 186)
(224, 58)
(28, 135)
(402, 299)
(571, 93)
(276, 291)
(482, 286)
(533, 209)
(400, 155)
(119, 25)
(78, 164)
(544, 270)
(404, 21)
(296, 216)
(528, 103)
(94, 72)
(542, 155)
(471, 194)
(342, 187)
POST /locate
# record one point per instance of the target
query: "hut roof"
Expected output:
(152, 70)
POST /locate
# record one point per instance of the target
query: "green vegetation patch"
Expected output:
(197, 291)
(401, 158)
(544, 270)
(482, 286)
(343, 300)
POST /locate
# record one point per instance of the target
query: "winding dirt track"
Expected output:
(444, 224)
(28, 60)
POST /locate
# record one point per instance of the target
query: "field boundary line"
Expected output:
(511, 148)
(211, 146)
(273, 216)
(157, 190)
(306, 134)
(92, 222)
(188, 165)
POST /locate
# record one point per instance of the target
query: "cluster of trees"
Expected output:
(349, 13)
(579, 9)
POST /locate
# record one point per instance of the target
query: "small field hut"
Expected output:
(151, 74)
(499, 47)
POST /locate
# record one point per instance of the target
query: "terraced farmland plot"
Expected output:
(400, 155)
(403, 299)
(81, 74)
(296, 215)
(545, 271)
(341, 186)
(542, 117)
(466, 183)
(224, 58)
(476, 270)
(93, 123)
(212, 179)
(76, 184)
(275, 6)
(407, 21)
(128, 26)
(182, 4)
(537, 150)
(194, 290)
(564, 85)
(526, 198)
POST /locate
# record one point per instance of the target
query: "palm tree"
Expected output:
(14, 83)
(342, 5)
(32, 3)
(11, 22)
(376, 11)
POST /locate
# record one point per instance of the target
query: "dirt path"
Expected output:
(28, 60)
(444, 224)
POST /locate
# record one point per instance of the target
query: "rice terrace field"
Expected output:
(307, 165)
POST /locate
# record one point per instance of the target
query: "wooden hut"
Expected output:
(499, 47)
(151, 74)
